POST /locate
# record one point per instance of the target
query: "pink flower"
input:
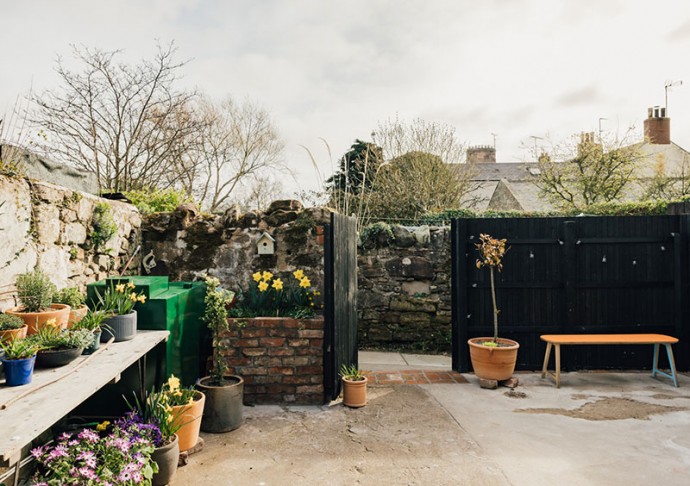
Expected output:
(37, 452)
(137, 477)
(87, 473)
(59, 451)
(88, 435)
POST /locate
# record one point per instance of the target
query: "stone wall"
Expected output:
(404, 298)
(47, 226)
(280, 359)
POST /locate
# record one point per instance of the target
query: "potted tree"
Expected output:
(354, 386)
(92, 321)
(224, 392)
(118, 303)
(35, 292)
(75, 299)
(493, 358)
(19, 360)
(60, 347)
(11, 327)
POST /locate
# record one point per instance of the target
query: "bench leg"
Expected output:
(547, 355)
(558, 365)
(671, 361)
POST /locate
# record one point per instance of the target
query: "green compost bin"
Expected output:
(170, 306)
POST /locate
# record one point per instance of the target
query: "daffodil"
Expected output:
(267, 276)
(130, 285)
(263, 286)
(51, 323)
(120, 288)
(173, 383)
(142, 298)
(277, 284)
(133, 297)
(305, 283)
(257, 276)
(102, 426)
(299, 274)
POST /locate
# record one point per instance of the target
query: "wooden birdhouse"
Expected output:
(266, 245)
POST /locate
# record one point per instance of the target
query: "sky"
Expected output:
(331, 71)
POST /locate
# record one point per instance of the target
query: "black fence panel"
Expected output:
(575, 275)
(340, 300)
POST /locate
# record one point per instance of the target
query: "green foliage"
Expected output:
(351, 373)
(35, 291)
(73, 253)
(92, 321)
(70, 296)
(376, 234)
(51, 337)
(119, 299)
(20, 348)
(152, 409)
(275, 296)
(216, 318)
(9, 323)
(103, 225)
(10, 168)
(158, 201)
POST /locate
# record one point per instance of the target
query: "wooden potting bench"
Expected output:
(556, 340)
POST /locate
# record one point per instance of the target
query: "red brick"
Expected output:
(253, 333)
(317, 343)
(260, 370)
(298, 342)
(317, 379)
(309, 351)
(306, 389)
(292, 324)
(311, 333)
(296, 361)
(319, 230)
(298, 380)
(247, 343)
(283, 332)
(281, 351)
(281, 370)
(320, 240)
(254, 351)
(275, 388)
(273, 342)
(309, 370)
(316, 323)
(236, 361)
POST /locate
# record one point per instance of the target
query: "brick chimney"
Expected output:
(657, 126)
(481, 154)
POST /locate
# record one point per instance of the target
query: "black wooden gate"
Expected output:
(340, 300)
(575, 275)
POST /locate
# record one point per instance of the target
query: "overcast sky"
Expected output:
(332, 70)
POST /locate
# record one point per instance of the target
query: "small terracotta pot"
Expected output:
(36, 320)
(190, 418)
(12, 334)
(355, 392)
(76, 315)
(493, 362)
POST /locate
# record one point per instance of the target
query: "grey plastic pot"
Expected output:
(223, 407)
(123, 328)
(166, 457)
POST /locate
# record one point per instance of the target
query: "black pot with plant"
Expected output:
(60, 347)
(224, 392)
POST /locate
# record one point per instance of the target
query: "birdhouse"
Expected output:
(266, 244)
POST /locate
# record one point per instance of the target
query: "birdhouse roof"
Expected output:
(266, 235)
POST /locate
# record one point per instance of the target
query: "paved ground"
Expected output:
(598, 429)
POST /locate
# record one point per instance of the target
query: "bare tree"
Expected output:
(668, 184)
(127, 123)
(261, 192)
(238, 142)
(580, 172)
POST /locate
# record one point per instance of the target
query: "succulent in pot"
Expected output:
(35, 292)
(11, 327)
(19, 360)
(93, 322)
(74, 298)
(60, 346)
(354, 386)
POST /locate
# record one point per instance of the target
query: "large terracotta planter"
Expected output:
(76, 315)
(189, 416)
(223, 408)
(12, 334)
(355, 392)
(166, 457)
(36, 320)
(493, 363)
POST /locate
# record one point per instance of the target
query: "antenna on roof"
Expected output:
(494, 135)
(670, 84)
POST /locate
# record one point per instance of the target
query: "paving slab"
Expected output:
(427, 361)
(597, 429)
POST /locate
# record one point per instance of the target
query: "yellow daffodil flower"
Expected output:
(51, 323)
(120, 288)
(267, 276)
(299, 274)
(173, 383)
(133, 297)
(102, 426)
(191, 400)
(263, 286)
(130, 285)
(277, 284)
(257, 276)
(305, 283)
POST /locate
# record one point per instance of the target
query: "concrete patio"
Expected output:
(597, 429)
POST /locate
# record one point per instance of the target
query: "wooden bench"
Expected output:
(557, 340)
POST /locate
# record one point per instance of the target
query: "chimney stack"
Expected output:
(481, 154)
(657, 127)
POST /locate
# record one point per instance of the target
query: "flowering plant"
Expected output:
(120, 457)
(119, 299)
(491, 252)
(269, 295)
(174, 395)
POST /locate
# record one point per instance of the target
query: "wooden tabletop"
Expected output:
(608, 339)
(23, 417)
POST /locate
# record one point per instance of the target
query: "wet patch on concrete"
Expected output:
(515, 394)
(668, 396)
(609, 409)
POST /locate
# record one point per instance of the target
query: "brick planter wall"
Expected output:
(280, 359)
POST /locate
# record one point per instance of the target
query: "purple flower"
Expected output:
(137, 477)
(37, 452)
(89, 435)
(87, 473)
(59, 451)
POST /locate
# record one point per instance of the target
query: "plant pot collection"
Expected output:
(36, 320)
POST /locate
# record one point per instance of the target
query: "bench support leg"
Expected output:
(671, 361)
(547, 355)
(558, 365)
(545, 369)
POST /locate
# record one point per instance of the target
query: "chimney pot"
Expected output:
(657, 127)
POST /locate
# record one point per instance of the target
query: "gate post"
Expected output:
(458, 244)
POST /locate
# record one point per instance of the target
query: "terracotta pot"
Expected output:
(190, 418)
(493, 363)
(166, 457)
(223, 408)
(36, 320)
(355, 392)
(12, 334)
(76, 315)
